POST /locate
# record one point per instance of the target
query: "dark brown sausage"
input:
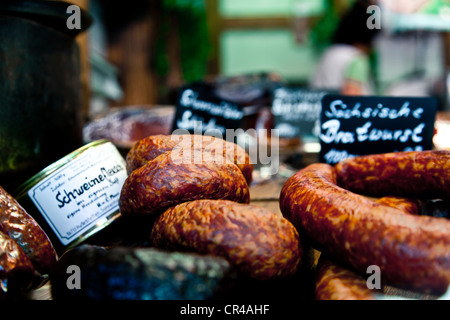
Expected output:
(16, 270)
(416, 174)
(24, 230)
(256, 241)
(162, 183)
(335, 282)
(151, 147)
(412, 251)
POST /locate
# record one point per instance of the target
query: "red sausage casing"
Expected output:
(163, 182)
(24, 230)
(16, 270)
(411, 251)
(150, 147)
(257, 242)
(335, 282)
(416, 174)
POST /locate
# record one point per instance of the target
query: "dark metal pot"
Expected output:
(40, 87)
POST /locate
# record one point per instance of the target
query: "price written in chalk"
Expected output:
(352, 126)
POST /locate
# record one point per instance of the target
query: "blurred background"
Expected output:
(142, 51)
(148, 48)
(133, 57)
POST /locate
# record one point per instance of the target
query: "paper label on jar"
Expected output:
(82, 193)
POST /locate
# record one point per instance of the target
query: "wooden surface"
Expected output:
(267, 194)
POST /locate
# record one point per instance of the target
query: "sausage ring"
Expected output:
(415, 174)
(411, 251)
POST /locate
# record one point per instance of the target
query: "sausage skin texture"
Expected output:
(150, 147)
(147, 149)
(427, 207)
(162, 183)
(257, 242)
(334, 282)
(24, 230)
(406, 205)
(416, 174)
(16, 270)
(413, 252)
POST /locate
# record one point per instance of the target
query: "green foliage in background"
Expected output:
(322, 31)
(323, 28)
(193, 33)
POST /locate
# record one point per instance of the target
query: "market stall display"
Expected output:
(232, 188)
(213, 222)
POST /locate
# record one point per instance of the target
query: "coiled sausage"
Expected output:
(412, 251)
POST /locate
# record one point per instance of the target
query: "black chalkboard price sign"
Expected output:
(361, 125)
(296, 111)
(200, 110)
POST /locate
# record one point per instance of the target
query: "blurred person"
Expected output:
(345, 65)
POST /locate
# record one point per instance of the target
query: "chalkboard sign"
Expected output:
(199, 110)
(296, 112)
(353, 126)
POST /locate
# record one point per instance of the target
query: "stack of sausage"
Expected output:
(190, 194)
(363, 213)
(199, 188)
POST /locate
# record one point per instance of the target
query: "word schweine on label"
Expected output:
(361, 134)
(339, 110)
(105, 175)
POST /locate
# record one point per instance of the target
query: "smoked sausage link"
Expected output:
(334, 282)
(257, 242)
(150, 147)
(406, 205)
(16, 270)
(416, 174)
(411, 251)
(24, 230)
(164, 182)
